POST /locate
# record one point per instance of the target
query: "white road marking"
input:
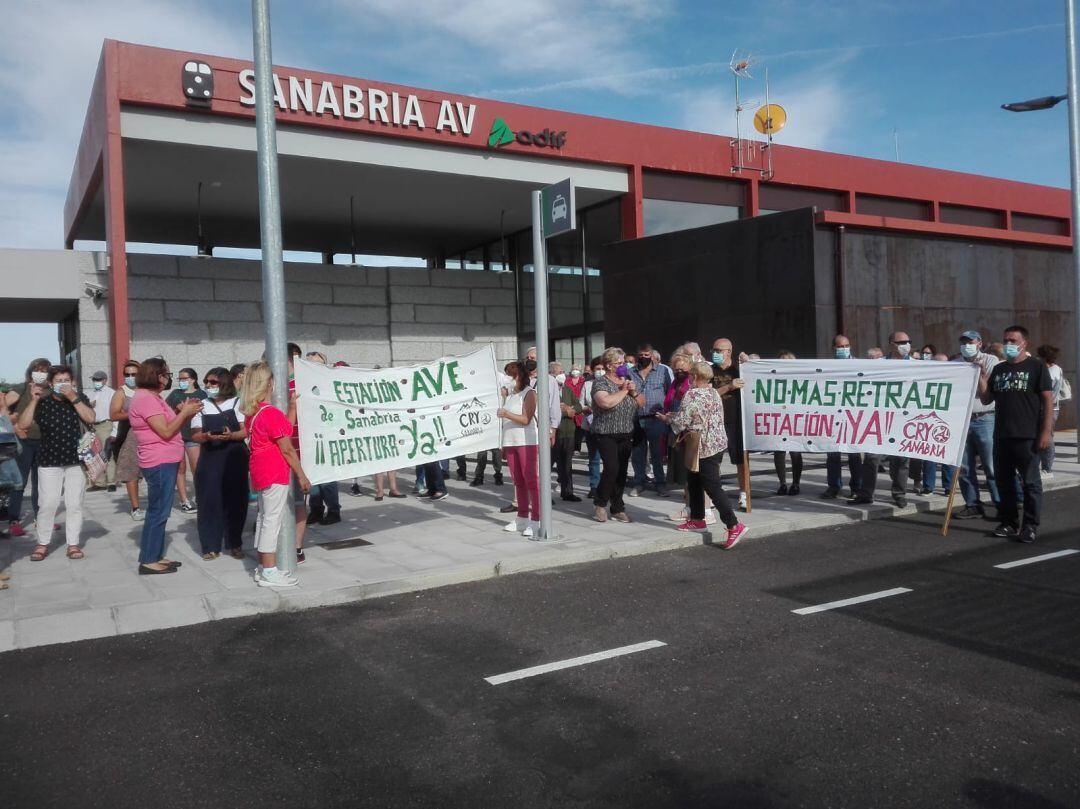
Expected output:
(1032, 560)
(521, 674)
(847, 602)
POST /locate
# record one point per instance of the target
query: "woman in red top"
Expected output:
(272, 457)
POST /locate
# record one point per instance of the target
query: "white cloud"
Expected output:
(485, 40)
(47, 68)
(820, 106)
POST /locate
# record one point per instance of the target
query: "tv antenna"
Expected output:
(749, 154)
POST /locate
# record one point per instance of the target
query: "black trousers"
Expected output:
(781, 469)
(221, 485)
(563, 451)
(898, 473)
(1012, 457)
(615, 456)
(481, 462)
(707, 479)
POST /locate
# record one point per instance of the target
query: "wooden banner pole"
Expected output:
(952, 498)
(746, 472)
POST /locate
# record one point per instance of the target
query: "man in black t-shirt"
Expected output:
(1021, 391)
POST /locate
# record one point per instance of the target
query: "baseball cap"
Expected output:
(971, 334)
(99, 375)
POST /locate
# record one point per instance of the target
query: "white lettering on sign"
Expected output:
(349, 102)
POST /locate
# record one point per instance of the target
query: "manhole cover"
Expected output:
(341, 544)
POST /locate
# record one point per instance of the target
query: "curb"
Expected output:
(133, 619)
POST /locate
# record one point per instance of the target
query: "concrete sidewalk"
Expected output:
(414, 545)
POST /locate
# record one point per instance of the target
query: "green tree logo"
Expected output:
(500, 134)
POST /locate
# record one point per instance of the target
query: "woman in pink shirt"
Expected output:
(156, 428)
(272, 457)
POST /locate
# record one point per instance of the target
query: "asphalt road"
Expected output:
(964, 691)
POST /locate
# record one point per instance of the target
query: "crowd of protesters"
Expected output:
(643, 425)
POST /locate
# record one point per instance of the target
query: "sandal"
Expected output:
(378, 498)
(75, 552)
(40, 552)
(209, 556)
(397, 495)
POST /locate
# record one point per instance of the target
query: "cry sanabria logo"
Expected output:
(501, 134)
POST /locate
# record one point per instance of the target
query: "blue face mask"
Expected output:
(969, 350)
(718, 357)
(129, 381)
(843, 353)
(58, 388)
(1012, 351)
(184, 384)
(212, 392)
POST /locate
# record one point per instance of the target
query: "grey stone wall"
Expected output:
(205, 312)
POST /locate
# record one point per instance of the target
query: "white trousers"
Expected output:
(273, 502)
(54, 482)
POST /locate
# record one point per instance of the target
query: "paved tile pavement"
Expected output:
(415, 545)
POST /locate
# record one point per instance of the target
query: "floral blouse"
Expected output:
(703, 410)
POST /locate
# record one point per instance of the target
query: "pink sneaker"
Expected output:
(693, 525)
(15, 529)
(734, 535)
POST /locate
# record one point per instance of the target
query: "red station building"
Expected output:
(167, 156)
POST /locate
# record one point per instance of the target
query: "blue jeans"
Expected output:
(655, 430)
(835, 475)
(28, 469)
(594, 459)
(326, 497)
(434, 476)
(929, 475)
(980, 442)
(160, 487)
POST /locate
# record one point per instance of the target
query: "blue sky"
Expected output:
(848, 72)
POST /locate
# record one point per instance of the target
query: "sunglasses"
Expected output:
(210, 381)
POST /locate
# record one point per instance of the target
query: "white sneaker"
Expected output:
(276, 578)
(516, 526)
(682, 515)
(742, 500)
(532, 528)
(710, 517)
(138, 514)
(1047, 475)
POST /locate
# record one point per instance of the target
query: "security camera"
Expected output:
(95, 291)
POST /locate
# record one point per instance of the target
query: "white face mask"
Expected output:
(598, 374)
(506, 381)
(39, 377)
(560, 378)
(575, 373)
(903, 349)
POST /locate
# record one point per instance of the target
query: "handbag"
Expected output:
(91, 453)
(690, 441)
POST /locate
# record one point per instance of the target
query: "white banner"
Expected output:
(355, 421)
(915, 409)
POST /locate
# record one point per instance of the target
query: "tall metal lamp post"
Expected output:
(1045, 103)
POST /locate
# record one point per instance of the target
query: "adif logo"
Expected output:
(197, 80)
(501, 134)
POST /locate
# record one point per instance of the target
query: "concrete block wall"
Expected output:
(204, 312)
